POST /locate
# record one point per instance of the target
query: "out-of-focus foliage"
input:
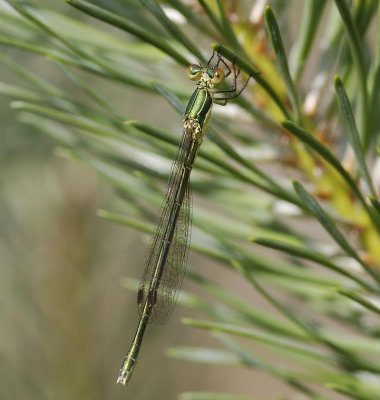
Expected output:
(290, 166)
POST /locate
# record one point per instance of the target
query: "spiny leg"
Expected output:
(230, 93)
(225, 64)
(213, 55)
(236, 74)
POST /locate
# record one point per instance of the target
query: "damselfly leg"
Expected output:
(222, 96)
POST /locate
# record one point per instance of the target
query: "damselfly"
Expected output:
(167, 256)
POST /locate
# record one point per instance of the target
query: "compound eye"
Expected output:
(218, 76)
(194, 72)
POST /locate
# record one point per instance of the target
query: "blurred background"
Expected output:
(67, 318)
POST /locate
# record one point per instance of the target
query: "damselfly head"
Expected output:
(215, 74)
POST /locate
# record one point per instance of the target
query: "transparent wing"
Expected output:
(175, 268)
(172, 237)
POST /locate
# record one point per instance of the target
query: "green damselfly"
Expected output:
(167, 256)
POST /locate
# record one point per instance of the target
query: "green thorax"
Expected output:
(199, 106)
